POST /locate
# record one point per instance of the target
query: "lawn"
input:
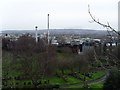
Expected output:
(60, 81)
(98, 75)
(93, 86)
(56, 80)
(72, 80)
(79, 86)
(19, 83)
(97, 85)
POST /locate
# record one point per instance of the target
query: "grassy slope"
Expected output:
(93, 86)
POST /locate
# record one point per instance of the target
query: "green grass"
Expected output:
(56, 80)
(93, 86)
(97, 86)
(12, 83)
(98, 75)
(79, 86)
(60, 81)
(95, 75)
(72, 80)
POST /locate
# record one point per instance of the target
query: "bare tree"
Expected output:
(33, 58)
(109, 29)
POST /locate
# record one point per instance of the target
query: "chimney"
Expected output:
(48, 29)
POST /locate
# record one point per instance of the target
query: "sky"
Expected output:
(64, 14)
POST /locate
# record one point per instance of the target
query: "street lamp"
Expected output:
(36, 36)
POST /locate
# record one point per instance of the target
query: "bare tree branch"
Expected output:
(102, 24)
(109, 29)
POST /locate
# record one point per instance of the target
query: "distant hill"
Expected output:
(59, 31)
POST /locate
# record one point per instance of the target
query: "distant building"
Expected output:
(54, 41)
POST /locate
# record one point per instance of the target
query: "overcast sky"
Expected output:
(65, 14)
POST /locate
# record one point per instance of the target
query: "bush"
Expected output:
(113, 80)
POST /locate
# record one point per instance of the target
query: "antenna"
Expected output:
(48, 29)
(36, 36)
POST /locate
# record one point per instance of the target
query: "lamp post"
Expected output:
(36, 36)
